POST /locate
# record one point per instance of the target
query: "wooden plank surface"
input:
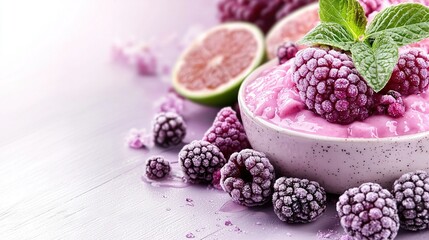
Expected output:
(65, 109)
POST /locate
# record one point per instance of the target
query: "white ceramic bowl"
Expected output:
(336, 163)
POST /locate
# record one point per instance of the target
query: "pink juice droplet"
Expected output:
(190, 235)
(228, 223)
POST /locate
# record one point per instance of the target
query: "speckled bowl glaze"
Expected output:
(336, 163)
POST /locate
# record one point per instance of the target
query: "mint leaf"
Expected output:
(331, 34)
(347, 13)
(376, 63)
(404, 23)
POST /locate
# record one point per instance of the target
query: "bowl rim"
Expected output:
(309, 136)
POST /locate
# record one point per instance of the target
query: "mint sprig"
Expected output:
(332, 34)
(374, 49)
(377, 61)
(405, 23)
(348, 13)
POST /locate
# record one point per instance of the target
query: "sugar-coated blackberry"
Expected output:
(329, 85)
(227, 133)
(200, 160)
(390, 104)
(368, 212)
(411, 192)
(411, 74)
(169, 129)
(248, 177)
(298, 200)
(157, 167)
(286, 51)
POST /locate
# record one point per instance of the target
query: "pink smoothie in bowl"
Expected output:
(271, 96)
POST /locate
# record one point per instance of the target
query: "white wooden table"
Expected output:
(65, 109)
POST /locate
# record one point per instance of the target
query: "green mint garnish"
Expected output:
(348, 13)
(374, 49)
(405, 23)
(377, 61)
(332, 34)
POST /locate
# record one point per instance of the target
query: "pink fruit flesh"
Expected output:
(221, 56)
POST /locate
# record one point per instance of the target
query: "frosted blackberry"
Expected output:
(390, 104)
(169, 129)
(199, 161)
(411, 192)
(329, 85)
(227, 133)
(248, 177)
(411, 74)
(370, 6)
(157, 167)
(263, 13)
(286, 52)
(368, 212)
(298, 200)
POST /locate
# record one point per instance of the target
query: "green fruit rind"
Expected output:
(225, 94)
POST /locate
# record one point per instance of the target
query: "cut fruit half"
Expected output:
(212, 68)
(292, 28)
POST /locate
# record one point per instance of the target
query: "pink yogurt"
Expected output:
(272, 96)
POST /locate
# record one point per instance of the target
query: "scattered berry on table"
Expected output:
(329, 85)
(137, 54)
(411, 192)
(298, 200)
(286, 52)
(368, 212)
(227, 133)
(248, 177)
(157, 167)
(411, 74)
(263, 13)
(169, 129)
(139, 138)
(171, 102)
(390, 104)
(200, 160)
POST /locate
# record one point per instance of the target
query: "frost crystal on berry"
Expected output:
(298, 200)
(411, 74)
(169, 129)
(330, 86)
(200, 160)
(227, 133)
(411, 192)
(248, 177)
(368, 212)
(157, 167)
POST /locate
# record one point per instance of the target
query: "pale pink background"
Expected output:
(65, 109)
